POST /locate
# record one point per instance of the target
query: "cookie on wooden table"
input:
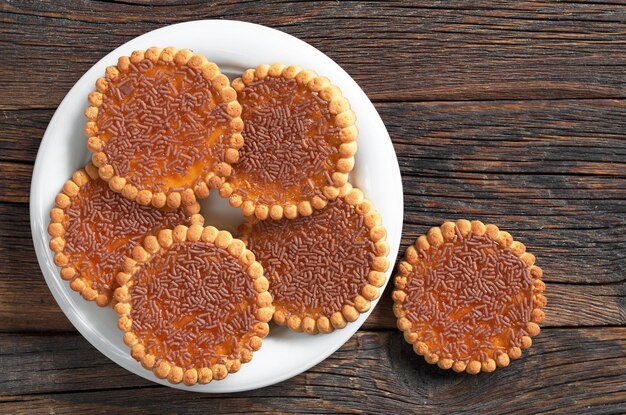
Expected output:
(193, 304)
(164, 125)
(93, 229)
(469, 297)
(326, 268)
(300, 141)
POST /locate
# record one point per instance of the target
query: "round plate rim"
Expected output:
(40, 237)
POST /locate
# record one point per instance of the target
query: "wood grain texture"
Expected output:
(509, 112)
(16, 184)
(550, 133)
(559, 189)
(580, 302)
(374, 372)
(21, 134)
(395, 50)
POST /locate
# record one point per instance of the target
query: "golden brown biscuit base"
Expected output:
(172, 199)
(437, 236)
(57, 228)
(163, 241)
(368, 293)
(345, 119)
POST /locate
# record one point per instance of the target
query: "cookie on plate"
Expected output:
(469, 297)
(326, 268)
(193, 304)
(164, 125)
(93, 229)
(300, 141)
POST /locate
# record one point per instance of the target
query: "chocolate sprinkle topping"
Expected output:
(193, 305)
(291, 142)
(469, 299)
(317, 263)
(102, 227)
(160, 121)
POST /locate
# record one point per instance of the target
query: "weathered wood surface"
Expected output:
(375, 371)
(509, 113)
(395, 50)
(551, 172)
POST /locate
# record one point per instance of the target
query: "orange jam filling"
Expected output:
(469, 299)
(315, 264)
(193, 305)
(162, 126)
(291, 144)
(102, 227)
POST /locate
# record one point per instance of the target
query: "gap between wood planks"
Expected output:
(375, 101)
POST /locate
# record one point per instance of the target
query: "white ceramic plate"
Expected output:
(235, 47)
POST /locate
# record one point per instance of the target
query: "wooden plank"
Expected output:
(575, 305)
(549, 172)
(417, 51)
(21, 133)
(604, 304)
(541, 136)
(26, 303)
(566, 371)
(15, 183)
(591, 277)
(568, 305)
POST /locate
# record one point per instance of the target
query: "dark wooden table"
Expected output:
(509, 113)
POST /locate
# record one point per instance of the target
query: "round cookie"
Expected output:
(164, 126)
(193, 304)
(326, 268)
(300, 141)
(468, 297)
(93, 229)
